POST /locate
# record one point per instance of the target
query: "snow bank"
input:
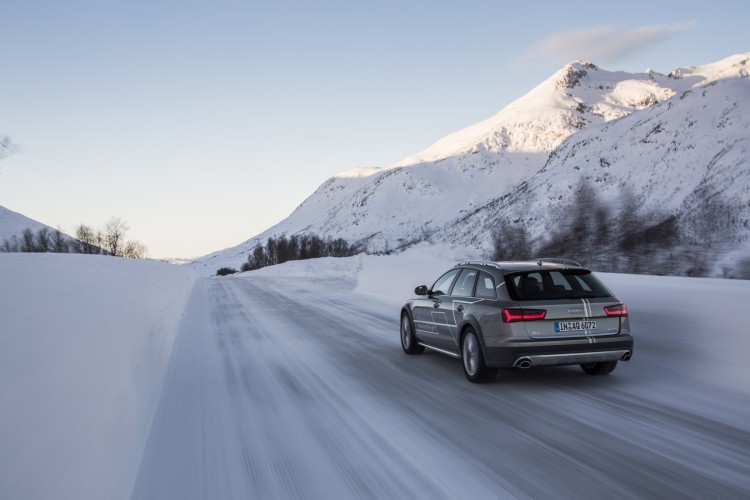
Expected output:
(345, 268)
(84, 345)
(701, 319)
(394, 277)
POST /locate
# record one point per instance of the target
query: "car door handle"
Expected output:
(436, 304)
(460, 308)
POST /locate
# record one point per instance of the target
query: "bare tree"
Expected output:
(42, 240)
(511, 241)
(87, 239)
(134, 250)
(115, 232)
(27, 240)
(111, 241)
(11, 245)
(99, 239)
(272, 254)
(60, 242)
(259, 257)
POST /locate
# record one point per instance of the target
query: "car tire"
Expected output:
(601, 368)
(409, 341)
(472, 359)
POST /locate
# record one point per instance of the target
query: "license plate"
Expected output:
(575, 326)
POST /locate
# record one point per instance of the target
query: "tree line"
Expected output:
(602, 238)
(624, 240)
(109, 240)
(295, 247)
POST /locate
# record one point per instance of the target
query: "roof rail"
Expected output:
(566, 262)
(479, 263)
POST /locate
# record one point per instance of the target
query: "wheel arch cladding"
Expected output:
(471, 322)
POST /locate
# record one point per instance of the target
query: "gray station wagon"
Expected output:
(519, 314)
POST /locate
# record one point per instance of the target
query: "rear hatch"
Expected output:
(563, 303)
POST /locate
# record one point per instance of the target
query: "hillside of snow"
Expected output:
(684, 161)
(13, 224)
(644, 135)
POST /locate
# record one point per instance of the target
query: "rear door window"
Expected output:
(485, 287)
(464, 286)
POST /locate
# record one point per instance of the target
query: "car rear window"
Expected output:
(549, 285)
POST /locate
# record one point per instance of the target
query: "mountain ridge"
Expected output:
(479, 166)
(13, 224)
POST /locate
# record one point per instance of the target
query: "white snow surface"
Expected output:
(273, 389)
(84, 345)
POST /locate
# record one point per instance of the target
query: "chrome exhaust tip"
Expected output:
(522, 363)
(627, 356)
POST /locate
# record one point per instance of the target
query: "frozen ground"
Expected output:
(289, 382)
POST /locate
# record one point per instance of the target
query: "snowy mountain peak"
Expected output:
(577, 95)
(734, 66)
(570, 75)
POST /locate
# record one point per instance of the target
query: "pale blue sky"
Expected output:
(204, 123)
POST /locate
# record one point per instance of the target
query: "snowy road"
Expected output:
(293, 388)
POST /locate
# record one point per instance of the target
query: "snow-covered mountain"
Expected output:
(661, 143)
(13, 224)
(683, 162)
(42, 238)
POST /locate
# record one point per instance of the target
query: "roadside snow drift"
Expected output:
(84, 346)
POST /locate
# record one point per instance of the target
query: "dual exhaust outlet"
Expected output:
(571, 358)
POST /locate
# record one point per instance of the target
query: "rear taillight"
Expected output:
(618, 310)
(513, 315)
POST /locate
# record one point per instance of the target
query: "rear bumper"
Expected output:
(525, 353)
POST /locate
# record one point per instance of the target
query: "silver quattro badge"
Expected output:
(575, 310)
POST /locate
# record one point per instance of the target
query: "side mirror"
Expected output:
(421, 290)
